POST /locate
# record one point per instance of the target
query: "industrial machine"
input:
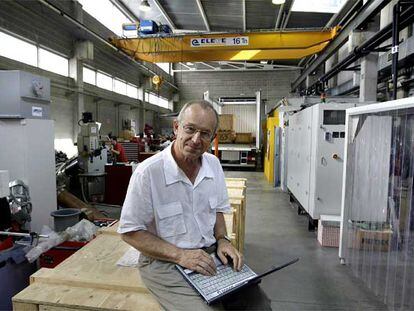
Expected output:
(92, 154)
(145, 28)
(316, 153)
(27, 135)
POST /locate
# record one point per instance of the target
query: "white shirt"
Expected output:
(162, 200)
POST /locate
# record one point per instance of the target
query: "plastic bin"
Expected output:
(65, 218)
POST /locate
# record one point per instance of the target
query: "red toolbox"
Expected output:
(59, 253)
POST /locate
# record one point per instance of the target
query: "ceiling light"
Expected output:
(144, 6)
(278, 1)
(263, 62)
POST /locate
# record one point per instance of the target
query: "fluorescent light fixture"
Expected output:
(144, 6)
(263, 62)
(321, 6)
(278, 1)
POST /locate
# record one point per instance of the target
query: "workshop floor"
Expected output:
(275, 233)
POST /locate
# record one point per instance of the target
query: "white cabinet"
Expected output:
(315, 158)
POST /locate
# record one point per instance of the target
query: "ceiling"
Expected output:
(186, 16)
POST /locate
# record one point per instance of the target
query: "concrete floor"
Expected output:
(275, 233)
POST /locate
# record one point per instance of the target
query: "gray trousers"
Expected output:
(174, 293)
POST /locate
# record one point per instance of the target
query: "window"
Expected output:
(132, 91)
(164, 66)
(104, 81)
(120, 87)
(18, 49)
(156, 100)
(322, 6)
(106, 13)
(53, 62)
(89, 76)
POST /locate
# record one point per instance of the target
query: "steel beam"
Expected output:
(124, 9)
(216, 47)
(203, 14)
(244, 15)
(165, 15)
(100, 39)
(279, 16)
(369, 10)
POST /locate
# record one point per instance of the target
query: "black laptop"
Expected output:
(226, 281)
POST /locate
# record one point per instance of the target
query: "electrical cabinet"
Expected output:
(24, 95)
(316, 152)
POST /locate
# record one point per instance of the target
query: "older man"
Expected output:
(173, 214)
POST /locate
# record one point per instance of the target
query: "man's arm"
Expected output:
(113, 150)
(153, 246)
(224, 247)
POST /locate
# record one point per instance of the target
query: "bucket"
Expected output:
(65, 218)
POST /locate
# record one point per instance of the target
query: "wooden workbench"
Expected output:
(90, 279)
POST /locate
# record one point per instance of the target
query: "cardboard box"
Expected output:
(373, 239)
(127, 134)
(243, 138)
(226, 122)
(328, 230)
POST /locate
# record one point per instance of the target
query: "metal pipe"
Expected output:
(20, 234)
(370, 9)
(394, 48)
(404, 20)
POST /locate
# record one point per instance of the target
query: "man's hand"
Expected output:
(224, 249)
(197, 260)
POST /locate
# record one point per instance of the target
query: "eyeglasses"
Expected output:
(191, 130)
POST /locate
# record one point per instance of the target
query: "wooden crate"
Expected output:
(236, 188)
(226, 137)
(226, 122)
(243, 138)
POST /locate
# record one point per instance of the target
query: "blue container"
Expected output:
(148, 27)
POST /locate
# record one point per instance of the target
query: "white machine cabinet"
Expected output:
(316, 153)
(27, 139)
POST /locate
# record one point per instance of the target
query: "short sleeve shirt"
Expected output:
(122, 156)
(162, 200)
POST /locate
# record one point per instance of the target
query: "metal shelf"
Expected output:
(237, 165)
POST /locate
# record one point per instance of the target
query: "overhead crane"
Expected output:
(251, 46)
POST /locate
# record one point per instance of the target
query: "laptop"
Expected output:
(226, 281)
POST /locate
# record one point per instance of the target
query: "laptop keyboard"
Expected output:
(225, 277)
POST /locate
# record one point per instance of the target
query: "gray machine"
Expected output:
(92, 155)
(27, 136)
(316, 153)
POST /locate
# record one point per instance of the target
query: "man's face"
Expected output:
(194, 132)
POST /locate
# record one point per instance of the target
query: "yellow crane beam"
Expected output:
(230, 47)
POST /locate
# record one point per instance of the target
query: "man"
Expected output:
(173, 213)
(117, 150)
